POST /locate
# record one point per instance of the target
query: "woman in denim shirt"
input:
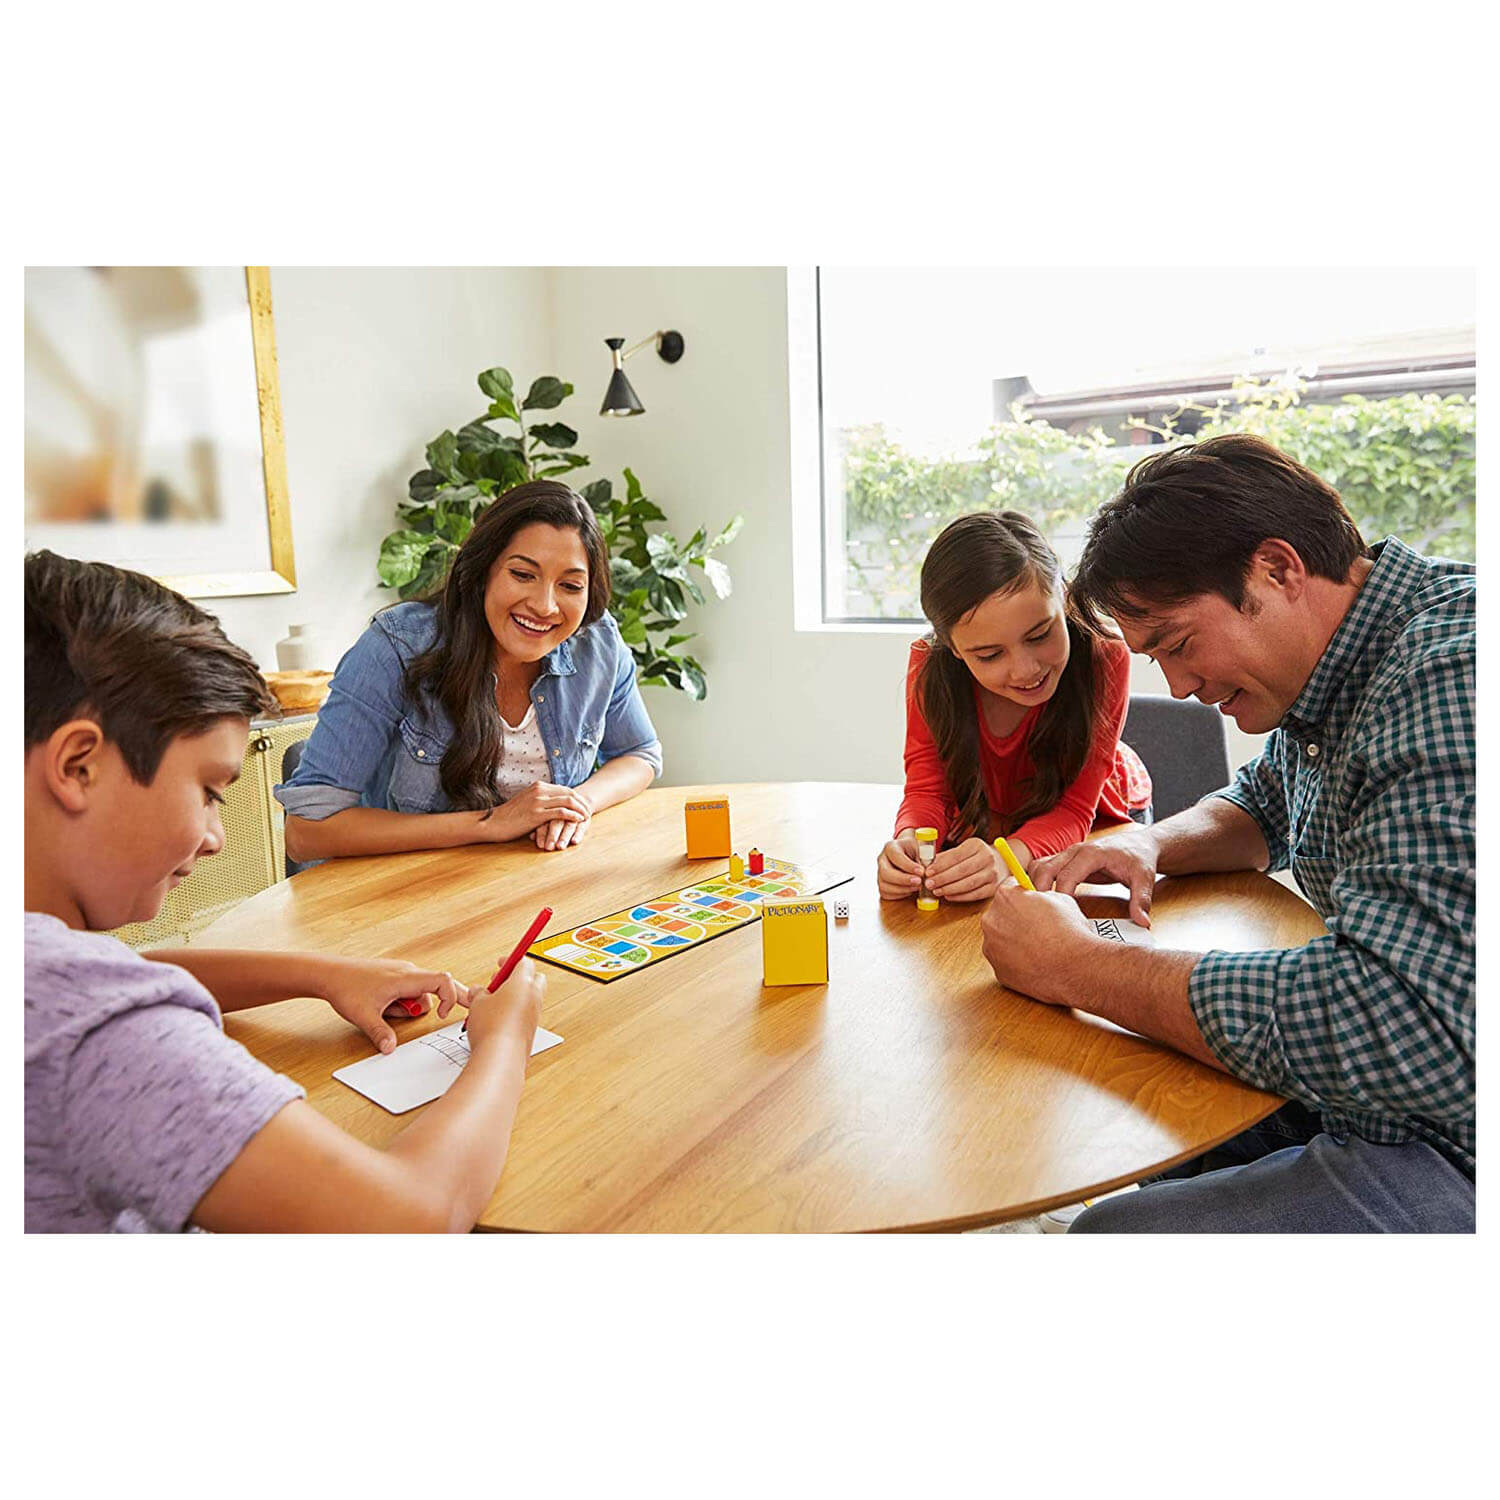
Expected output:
(503, 708)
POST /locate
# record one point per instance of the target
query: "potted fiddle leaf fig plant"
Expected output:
(652, 584)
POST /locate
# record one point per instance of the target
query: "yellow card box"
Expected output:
(708, 829)
(794, 941)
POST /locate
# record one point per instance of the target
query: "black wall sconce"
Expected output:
(620, 400)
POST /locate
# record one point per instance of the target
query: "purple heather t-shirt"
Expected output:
(136, 1101)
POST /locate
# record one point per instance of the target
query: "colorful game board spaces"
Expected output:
(653, 929)
(621, 943)
(752, 889)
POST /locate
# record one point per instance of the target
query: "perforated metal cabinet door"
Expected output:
(253, 855)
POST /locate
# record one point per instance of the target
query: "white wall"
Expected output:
(714, 440)
(374, 363)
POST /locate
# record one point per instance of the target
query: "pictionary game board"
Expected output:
(624, 942)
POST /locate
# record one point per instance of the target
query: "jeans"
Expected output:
(1286, 1176)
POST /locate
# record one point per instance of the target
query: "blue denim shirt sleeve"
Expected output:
(356, 723)
(628, 729)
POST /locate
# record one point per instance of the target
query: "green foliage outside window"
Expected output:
(1405, 466)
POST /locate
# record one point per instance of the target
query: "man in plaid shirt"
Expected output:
(1242, 575)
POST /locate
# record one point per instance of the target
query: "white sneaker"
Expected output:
(1060, 1220)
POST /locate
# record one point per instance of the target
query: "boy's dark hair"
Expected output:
(1188, 522)
(124, 650)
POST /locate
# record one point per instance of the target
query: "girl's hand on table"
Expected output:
(897, 872)
(970, 872)
(364, 991)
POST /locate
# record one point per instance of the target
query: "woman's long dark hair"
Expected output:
(972, 558)
(456, 668)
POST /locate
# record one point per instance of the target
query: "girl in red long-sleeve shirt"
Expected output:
(1013, 715)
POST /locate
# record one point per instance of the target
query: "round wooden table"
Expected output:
(909, 1092)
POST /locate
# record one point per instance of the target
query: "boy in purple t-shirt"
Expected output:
(140, 1113)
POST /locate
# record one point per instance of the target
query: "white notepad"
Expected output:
(1115, 931)
(420, 1071)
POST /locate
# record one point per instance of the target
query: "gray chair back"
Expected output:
(289, 758)
(1183, 746)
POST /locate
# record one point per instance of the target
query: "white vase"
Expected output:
(298, 652)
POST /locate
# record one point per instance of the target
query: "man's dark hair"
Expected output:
(1189, 520)
(125, 651)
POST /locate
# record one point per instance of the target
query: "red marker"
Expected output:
(504, 972)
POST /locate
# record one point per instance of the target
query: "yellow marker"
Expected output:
(1014, 865)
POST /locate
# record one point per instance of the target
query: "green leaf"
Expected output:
(566, 463)
(424, 485)
(554, 434)
(678, 640)
(454, 522)
(504, 467)
(669, 601)
(646, 510)
(662, 550)
(433, 571)
(633, 489)
(718, 576)
(442, 455)
(496, 383)
(633, 630)
(401, 557)
(505, 409)
(597, 494)
(546, 392)
(476, 437)
(728, 534)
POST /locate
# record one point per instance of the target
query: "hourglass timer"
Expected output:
(926, 850)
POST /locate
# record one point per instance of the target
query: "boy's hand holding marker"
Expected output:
(512, 1010)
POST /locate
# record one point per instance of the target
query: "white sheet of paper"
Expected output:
(1122, 930)
(419, 1071)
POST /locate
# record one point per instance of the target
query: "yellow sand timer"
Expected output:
(926, 851)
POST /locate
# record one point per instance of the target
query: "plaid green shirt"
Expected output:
(1366, 789)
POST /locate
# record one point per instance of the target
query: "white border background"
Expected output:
(676, 134)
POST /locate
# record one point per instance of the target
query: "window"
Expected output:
(947, 391)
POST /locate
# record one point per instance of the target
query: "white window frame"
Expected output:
(817, 530)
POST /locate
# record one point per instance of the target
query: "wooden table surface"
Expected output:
(910, 1092)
